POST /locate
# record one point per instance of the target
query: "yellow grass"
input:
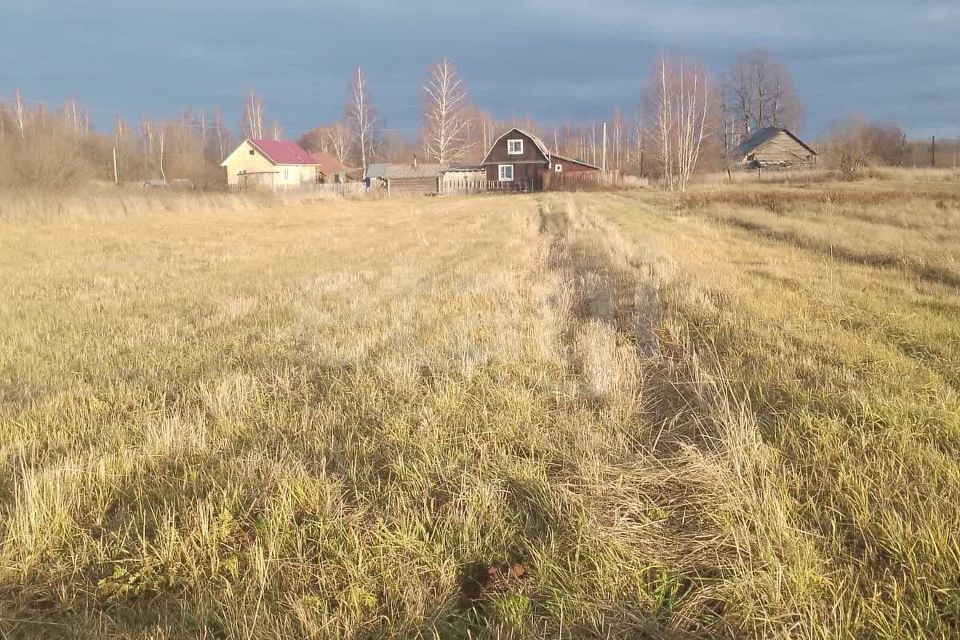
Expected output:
(731, 413)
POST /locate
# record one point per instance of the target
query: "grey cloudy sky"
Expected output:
(554, 60)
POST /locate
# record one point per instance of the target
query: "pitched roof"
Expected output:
(327, 162)
(376, 170)
(395, 171)
(762, 136)
(574, 160)
(537, 141)
(462, 166)
(283, 152)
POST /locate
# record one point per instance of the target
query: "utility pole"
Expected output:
(933, 151)
(116, 174)
(604, 146)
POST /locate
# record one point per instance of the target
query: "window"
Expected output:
(286, 175)
(515, 147)
(506, 173)
(558, 168)
(252, 152)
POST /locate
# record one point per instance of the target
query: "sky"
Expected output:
(555, 61)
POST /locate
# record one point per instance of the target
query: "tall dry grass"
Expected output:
(108, 201)
(592, 415)
(837, 319)
(361, 420)
(822, 175)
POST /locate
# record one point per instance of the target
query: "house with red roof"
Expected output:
(331, 170)
(271, 164)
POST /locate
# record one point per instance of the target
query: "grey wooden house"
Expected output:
(773, 148)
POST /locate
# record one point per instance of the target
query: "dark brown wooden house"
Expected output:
(773, 148)
(522, 161)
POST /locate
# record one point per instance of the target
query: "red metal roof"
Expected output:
(328, 163)
(284, 152)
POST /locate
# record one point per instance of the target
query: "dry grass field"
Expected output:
(731, 413)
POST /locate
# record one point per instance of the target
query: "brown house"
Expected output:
(523, 161)
(773, 148)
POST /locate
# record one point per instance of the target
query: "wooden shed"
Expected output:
(773, 148)
(412, 179)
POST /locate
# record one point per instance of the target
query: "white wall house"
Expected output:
(270, 164)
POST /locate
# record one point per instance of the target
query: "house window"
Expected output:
(252, 152)
(515, 147)
(286, 175)
(558, 168)
(506, 173)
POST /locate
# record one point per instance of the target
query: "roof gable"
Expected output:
(327, 162)
(283, 152)
(542, 148)
(761, 137)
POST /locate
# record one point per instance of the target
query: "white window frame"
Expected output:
(286, 175)
(510, 147)
(558, 168)
(500, 172)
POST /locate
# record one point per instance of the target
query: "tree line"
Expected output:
(688, 121)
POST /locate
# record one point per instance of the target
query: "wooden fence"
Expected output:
(466, 187)
(333, 188)
(573, 181)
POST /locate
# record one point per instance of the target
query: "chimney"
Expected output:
(415, 165)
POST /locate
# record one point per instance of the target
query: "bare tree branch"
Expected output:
(680, 100)
(445, 117)
(759, 93)
(253, 116)
(362, 119)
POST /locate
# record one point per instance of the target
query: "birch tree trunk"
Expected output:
(362, 119)
(253, 116)
(681, 99)
(445, 113)
(20, 113)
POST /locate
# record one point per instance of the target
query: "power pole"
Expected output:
(604, 146)
(933, 151)
(116, 174)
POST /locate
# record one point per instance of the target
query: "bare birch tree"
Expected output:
(253, 116)
(333, 138)
(76, 117)
(20, 113)
(758, 93)
(337, 138)
(162, 136)
(362, 119)
(276, 131)
(445, 114)
(147, 134)
(223, 135)
(640, 138)
(679, 99)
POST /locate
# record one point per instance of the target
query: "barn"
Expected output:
(522, 161)
(773, 148)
